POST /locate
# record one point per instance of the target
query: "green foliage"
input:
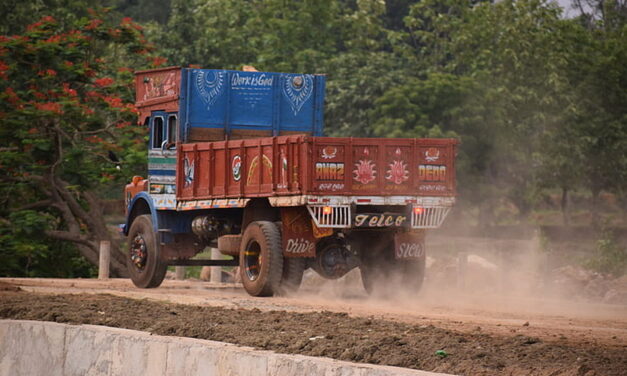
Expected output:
(421, 107)
(25, 253)
(66, 106)
(610, 255)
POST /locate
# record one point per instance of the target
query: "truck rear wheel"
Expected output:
(261, 258)
(293, 269)
(144, 264)
(380, 270)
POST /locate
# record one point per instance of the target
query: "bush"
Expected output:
(610, 256)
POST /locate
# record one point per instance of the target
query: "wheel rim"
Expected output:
(139, 252)
(252, 260)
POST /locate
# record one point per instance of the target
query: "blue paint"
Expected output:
(164, 219)
(142, 196)
(162, 172)
(233, 100)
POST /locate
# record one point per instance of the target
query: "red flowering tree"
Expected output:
(67, 125)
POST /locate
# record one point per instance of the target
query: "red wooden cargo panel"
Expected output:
(382, 167)
(294, 165)
(258, 167)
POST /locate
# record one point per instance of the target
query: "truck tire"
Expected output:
(412, 274)
(380, 270)
(144, 264)
(293, 269)
(261, 258)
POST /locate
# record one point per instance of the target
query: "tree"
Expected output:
(65, 105)
(599, 77)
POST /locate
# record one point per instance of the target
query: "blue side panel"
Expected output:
(230, 100)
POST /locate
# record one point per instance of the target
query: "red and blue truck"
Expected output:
(237, 161)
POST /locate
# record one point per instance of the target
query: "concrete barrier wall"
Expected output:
(45, 348)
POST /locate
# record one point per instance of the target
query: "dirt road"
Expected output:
(482, 334)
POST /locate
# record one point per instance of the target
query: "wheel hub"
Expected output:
(252, 261)
(138, 252)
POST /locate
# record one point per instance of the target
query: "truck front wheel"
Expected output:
(144, 263)
(261, 258)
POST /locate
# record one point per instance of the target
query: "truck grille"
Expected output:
(429, 216)
(334, 216)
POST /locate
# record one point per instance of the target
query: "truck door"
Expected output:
(162, 157)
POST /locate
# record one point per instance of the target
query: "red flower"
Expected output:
(68, 64)
(127, 20)
(114, 102)
(158, 61)
(94, 139)
(93, 24)
(49, 106)
(123, 124)
(41, 22)
(77, 34)
(33, 130)
(39, 95)
(11, 96)
(21, 38)
(130, 107)
(103, 82)
(54, 39)
(125, 69)
(69, 91)
(115, 32)
(3, 69)
(34, 26)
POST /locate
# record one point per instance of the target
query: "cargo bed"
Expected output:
(305, 165)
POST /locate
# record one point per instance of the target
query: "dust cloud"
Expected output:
(503, 278)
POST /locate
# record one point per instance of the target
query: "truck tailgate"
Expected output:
(375, 167)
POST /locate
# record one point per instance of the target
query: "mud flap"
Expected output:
(409, 245)
(299, 239)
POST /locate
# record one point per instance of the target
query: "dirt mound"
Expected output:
(8, 287)
(580, 283)
(335, 335)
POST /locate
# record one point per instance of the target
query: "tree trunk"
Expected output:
(594, 210)
(565, 207)
(77, 219)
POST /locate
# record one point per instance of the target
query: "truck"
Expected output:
(237, 161)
